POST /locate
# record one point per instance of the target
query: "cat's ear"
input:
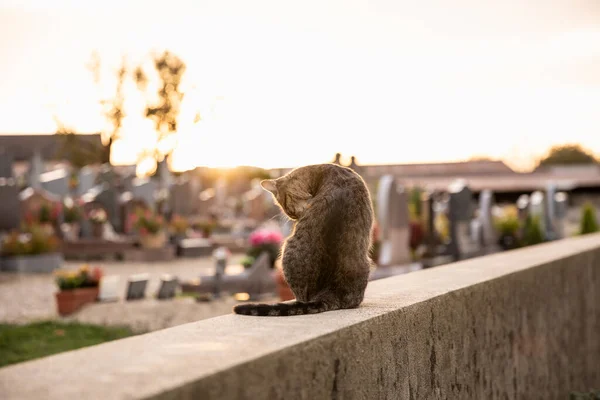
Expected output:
(270, 185)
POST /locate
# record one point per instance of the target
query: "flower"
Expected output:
(147, 222)
(79, 278)
(98, 216)
(265, 240)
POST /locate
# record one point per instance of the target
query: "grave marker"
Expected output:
(393, 219)
(136, 286)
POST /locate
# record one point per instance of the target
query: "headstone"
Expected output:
(256, 202)
(561, 208)
(144, 189)
(488, 230)
(108, 199)
(56, 182)
(220, 193)
(461, 214)
(430, 239)
(220, 256)
(168, 287)
(194, 247)
(128, 204)
(536, 208)
(109, 286)
(136, 286)
(10, 213)
(550, 212)
(86, 178)
(523, 206)
(36, 168)
(181, 197)
(6, 164)
(393, 219)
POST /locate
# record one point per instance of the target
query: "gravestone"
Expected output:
(108, 199)
(136, 286)
(489, 235)
(256, 202)
(550, 212)
(256, 280)
(430, 239)
(86, 178)
(537, 206)
(6, 164)
(194, 247)
(523, 206)
(220, 193)
(10, 213)
(56, 182)
(36, 168)
(108, 290)
(393, 220)
(181, 197)
(127, 206)
(561, 208)
(168, 287)
(461, 214)
(144, 189)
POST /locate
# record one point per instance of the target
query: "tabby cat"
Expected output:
(326, 258)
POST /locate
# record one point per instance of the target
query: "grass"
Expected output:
(20, 343)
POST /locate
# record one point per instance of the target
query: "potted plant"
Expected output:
(178, 227)
(532, 231)
(32, 249)
(264, 240)
(76, 288)
(508, 225)
(151, 229)
(270, 241)
(98, 218)
(45, 216)
(589, 223)
(72, 216)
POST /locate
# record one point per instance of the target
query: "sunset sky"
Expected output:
(281, 83)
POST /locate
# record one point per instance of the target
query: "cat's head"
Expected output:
(291, 191)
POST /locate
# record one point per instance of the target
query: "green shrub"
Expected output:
(532, 231)
(589, 223)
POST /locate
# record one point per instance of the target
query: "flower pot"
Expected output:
(69, 301)
(283, 289)
(153, 241)
(47, 262)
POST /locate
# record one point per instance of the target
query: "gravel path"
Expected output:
(30, 297)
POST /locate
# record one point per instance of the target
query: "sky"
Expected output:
(281, 83)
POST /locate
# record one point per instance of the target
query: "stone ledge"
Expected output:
(519, 324)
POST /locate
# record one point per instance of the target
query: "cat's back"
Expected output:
(344, 199)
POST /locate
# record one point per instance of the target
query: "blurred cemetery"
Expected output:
(98, 243)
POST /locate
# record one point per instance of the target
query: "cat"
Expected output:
(326, 259)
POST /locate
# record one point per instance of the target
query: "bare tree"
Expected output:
(112, 107)
(164, 110)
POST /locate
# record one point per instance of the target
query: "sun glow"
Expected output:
(277, 85)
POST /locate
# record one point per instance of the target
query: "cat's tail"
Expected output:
(281, 309)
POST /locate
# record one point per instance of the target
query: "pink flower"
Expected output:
(262, 236)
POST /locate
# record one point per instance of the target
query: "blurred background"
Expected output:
(134, 135)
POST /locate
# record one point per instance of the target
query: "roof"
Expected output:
(479, 167)
(22, 147)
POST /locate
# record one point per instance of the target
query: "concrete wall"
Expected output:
(523, 324)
